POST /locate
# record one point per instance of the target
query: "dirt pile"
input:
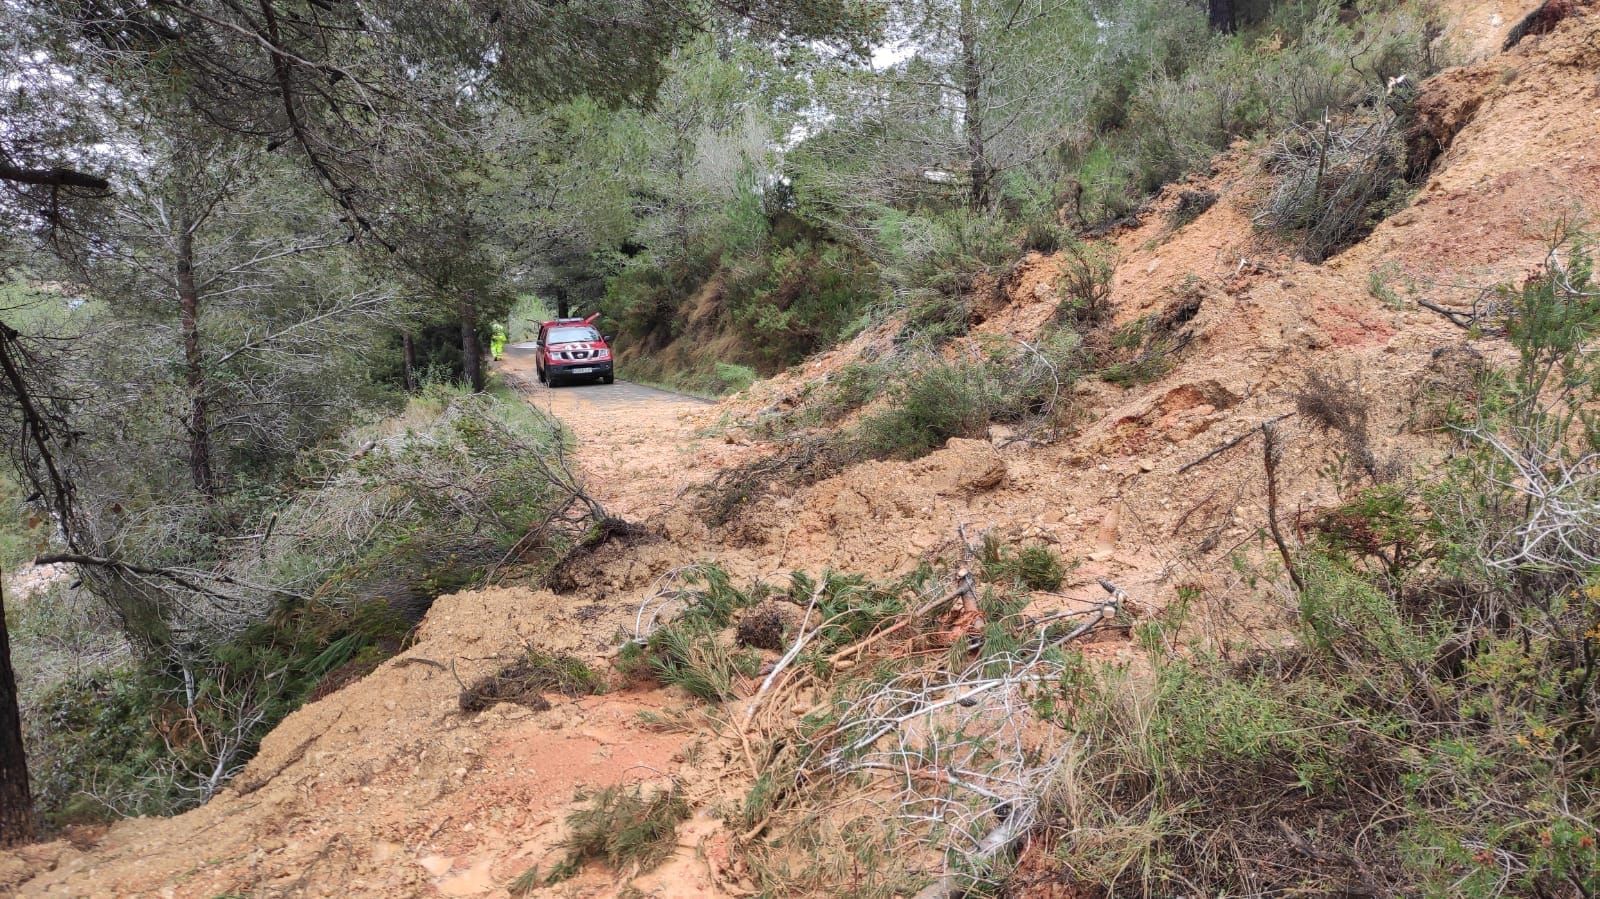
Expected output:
(387, 788)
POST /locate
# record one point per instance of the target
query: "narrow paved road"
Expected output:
(622, 395)
(637, 446)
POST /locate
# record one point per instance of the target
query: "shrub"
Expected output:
(1191, 205)
(1447, 662)
(408, 507)
(735, 378)
(791, 299)
(1085, 284)
(940, 261)
(1336, 403)
(1043, 235)
(693, 657)
(1336, 182)
(762, 628)
(689, 651)
(937, 402)
(1035, 379)
(158, 736)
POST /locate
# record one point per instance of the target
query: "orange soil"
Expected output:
(385, 789)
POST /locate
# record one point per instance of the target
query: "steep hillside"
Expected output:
(388, 788)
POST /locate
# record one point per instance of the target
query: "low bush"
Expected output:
(935, 399)
(691, 651)
(1172, 94)
(1191, 205)
(939, 401)
(1084, 284)
(1336, 182)
(397, 512)
(1434, 728)
(155, 737)
(938, 263)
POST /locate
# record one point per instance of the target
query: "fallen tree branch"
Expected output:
(1462, 320)
(1004, 834)
(178, 576)
(54, 177)
(963, 590)
(1233, 443)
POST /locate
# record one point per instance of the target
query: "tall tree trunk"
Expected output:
(408, 359)
(194, 365)
(1220, 14)
(562, 307)
(972, 113)
(16, 798)
(471, 351)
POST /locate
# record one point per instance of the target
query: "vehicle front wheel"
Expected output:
(607, 379)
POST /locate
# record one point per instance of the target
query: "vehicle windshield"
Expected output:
(571, 335)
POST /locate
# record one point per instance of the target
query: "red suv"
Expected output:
(570, 349)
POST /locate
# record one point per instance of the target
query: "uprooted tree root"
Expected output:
(561, 576)
(526, 680)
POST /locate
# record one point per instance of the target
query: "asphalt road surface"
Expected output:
(518, 357)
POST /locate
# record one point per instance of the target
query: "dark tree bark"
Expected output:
(199, 424)
(563, 309)
(972, 114)
(16, 798)
(57, 177)
(1220, 15)
(471, 351)
(408, 359)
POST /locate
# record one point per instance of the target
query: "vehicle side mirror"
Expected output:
(608, 337)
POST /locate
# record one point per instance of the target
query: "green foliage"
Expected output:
(527, 312)
(694, 657)
(839, 394)
(1336, 182)
(937, 262)
(1169, 95)
(525, 680)
(450, 485)
(735, 377)
(792, 299)
(939, 401)
(1085, 284)
(933, 400)
(23, 534)
(625, 827)
(1034, 566)
(1447, 661)
(692, 651)
(143, 738)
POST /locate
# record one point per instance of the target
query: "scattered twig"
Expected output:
(1233, 443)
